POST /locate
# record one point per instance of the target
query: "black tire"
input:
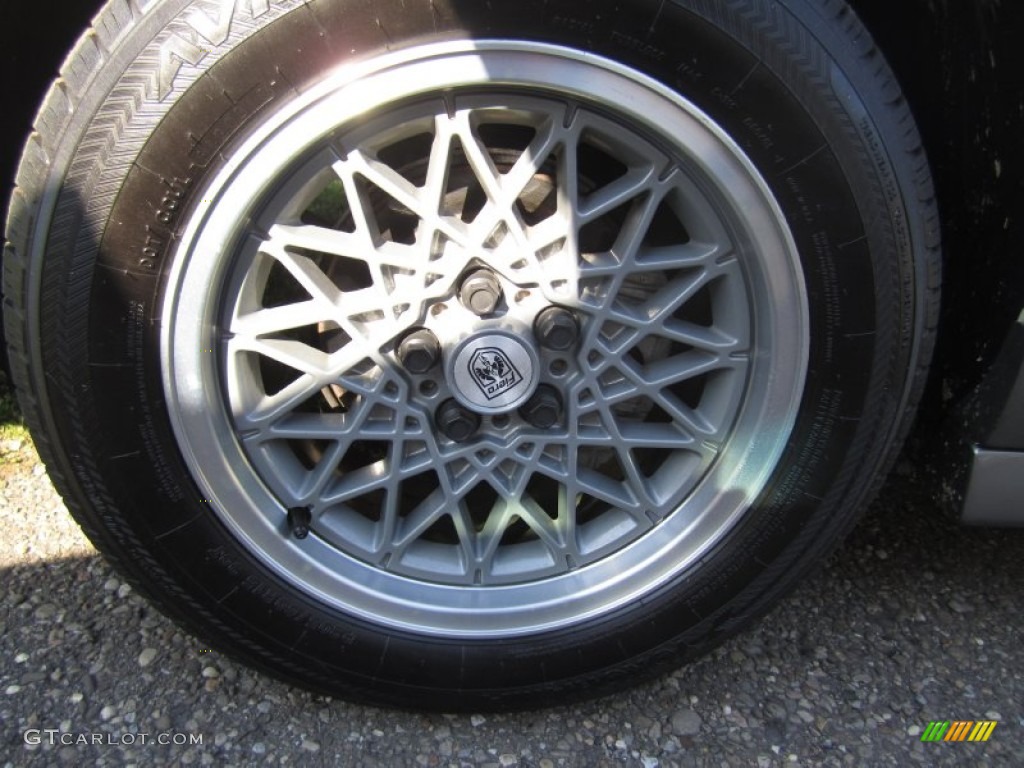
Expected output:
(149, 107)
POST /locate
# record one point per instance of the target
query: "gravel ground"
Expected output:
(912, 620)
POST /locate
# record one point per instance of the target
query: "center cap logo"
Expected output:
(493, 372)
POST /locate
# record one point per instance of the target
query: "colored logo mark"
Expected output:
(959, 730)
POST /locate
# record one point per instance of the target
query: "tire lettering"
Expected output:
(177, 50)
(171, 200)
(173, 53)
(690, 71)
(151, 252)
(641, 47)
(579, 26)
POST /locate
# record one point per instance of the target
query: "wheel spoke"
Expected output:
(390, 515)
(302, 357)
(683, 256)
(438, 166)
(708, 339)
(313, 237)
(269, 408)
(550, 135)
(480, 162)
(305, 271)
(683, 415)
(635, 479)
(322, 426)
(613, 492)
(534, 515)
(275, 319)
(424, 515)
(313, 485)
(636, 182)
(672, 370)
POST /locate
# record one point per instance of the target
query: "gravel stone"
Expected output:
(959, 606)
(147, 656)
(686, 722)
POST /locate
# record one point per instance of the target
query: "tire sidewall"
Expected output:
(830, 174)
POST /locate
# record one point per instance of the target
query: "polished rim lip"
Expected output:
(461, 611)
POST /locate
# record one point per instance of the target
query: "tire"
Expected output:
(455, 355)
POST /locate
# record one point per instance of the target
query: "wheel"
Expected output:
(456, 357)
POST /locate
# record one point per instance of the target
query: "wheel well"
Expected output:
(960, 66)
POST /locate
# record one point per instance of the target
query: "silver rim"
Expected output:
(518, 332)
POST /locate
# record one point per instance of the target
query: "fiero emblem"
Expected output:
(493, 372)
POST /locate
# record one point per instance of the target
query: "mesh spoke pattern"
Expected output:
(368, 239)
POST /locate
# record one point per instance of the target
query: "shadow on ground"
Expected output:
(913, 619)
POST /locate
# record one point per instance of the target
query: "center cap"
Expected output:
(493, 372)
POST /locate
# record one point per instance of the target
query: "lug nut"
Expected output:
(456, 422)
(544, 409)
(419, 351)
(556, 328)
(480, 291)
